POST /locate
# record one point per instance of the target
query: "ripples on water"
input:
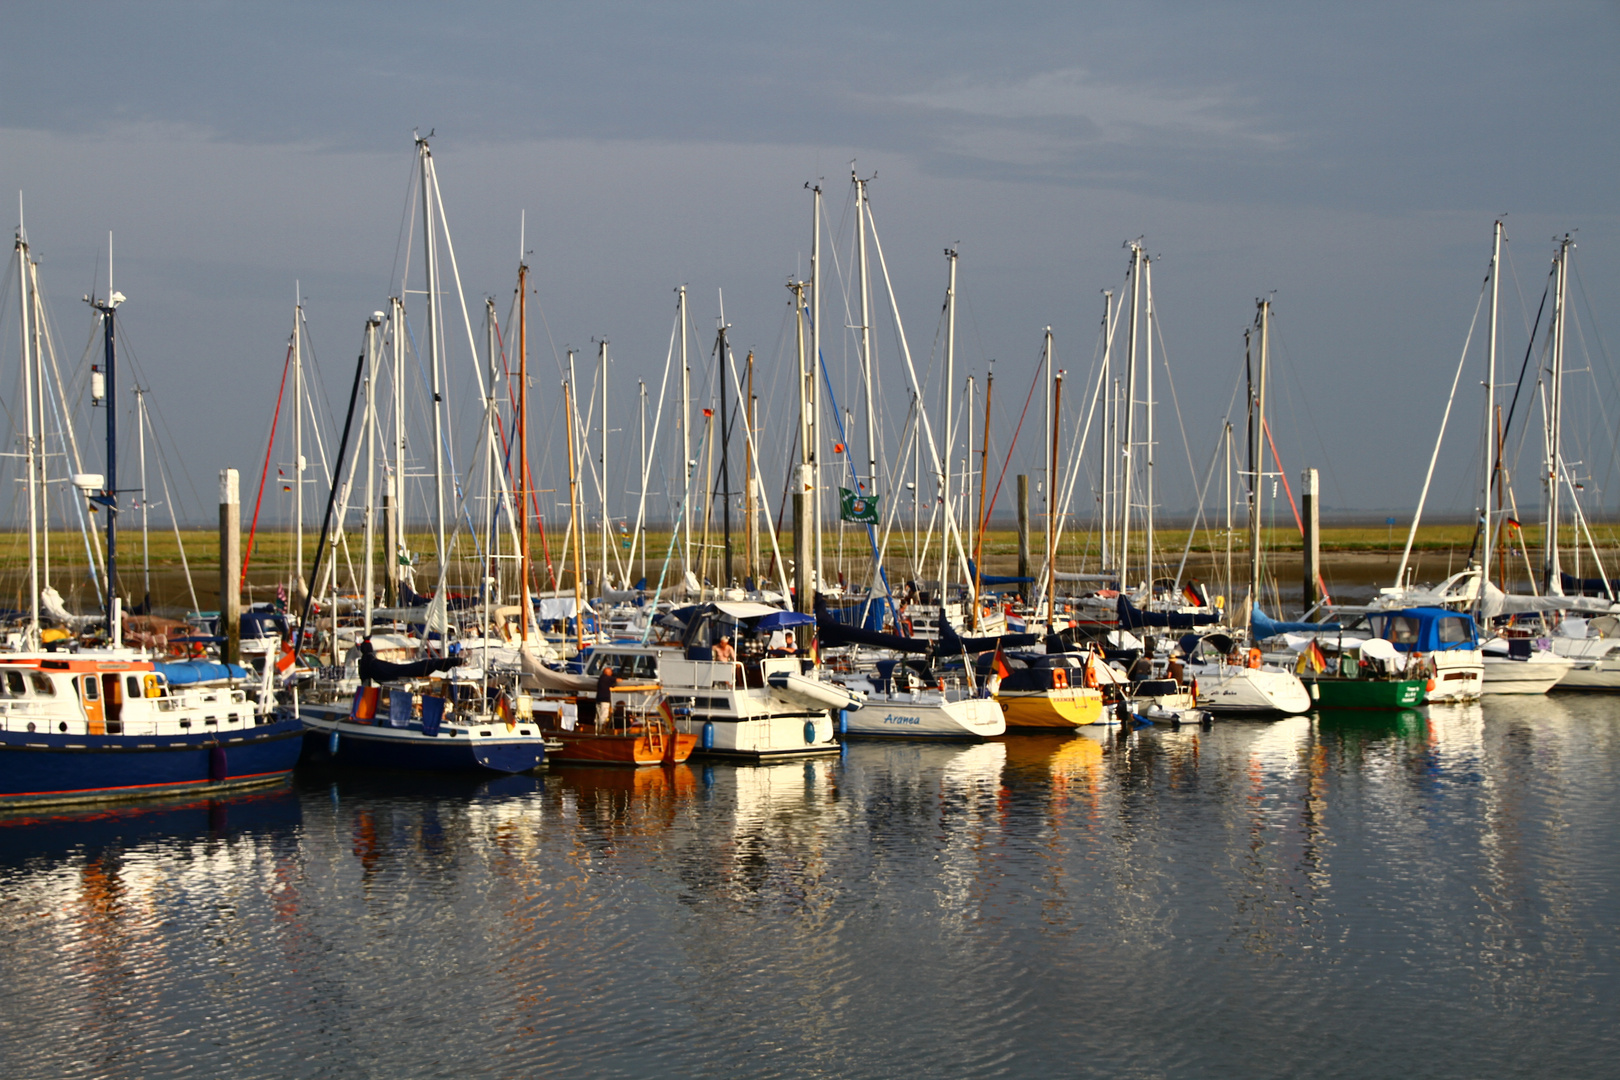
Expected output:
(1361, 895)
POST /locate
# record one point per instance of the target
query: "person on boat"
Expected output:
(1176, 670)
(723, 652)
(605, 682)
(1142, 667)
(380, 671)
(778, 645)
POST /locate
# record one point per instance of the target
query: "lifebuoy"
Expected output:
(1060, 679)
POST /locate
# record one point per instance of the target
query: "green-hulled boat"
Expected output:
(1338, 692)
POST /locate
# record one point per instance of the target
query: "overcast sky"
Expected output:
(1347, 160)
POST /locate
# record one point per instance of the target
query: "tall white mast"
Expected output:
(687, 464)
(29, 446)
(146, 539)
(815, 373)
(435, 349)
(1105, 466)
(1487, 531)
(298, 436)
(866, 335)
(1257, 427)
(602, 365)
(1127, 445)
(396, 320)
(1552, 573)
(1147, 446)
(371, 465)
(949, 445)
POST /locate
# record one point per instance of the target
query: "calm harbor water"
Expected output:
(1430, 894)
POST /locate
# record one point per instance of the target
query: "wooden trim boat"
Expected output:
(637, 734)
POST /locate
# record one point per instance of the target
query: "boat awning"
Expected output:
(745, 609)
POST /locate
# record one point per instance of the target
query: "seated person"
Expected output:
(723, 652)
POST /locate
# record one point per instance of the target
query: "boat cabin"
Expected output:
(1424, 629)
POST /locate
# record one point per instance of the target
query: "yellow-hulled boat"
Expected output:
(1050, 692)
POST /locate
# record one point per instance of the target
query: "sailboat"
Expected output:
(429, 713)
(1229, 677)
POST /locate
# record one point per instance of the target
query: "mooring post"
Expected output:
(230, 564)
(1023, 535)
(1313, 540)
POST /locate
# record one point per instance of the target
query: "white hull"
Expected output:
(1534, 676)
(1228, 688)
(1601, 674)
(928, 715)
(1459, 675)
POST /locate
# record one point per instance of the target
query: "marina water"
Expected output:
(1431, 893)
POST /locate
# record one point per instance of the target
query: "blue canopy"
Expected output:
(186, 672)
(781, 620)
(1425, 629)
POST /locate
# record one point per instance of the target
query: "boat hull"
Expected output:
(1228, 688)
(1331, 693)
(634, 748)
(1537, 676)
(45, 768)
(478, 748)
(1061, 709)
(906, 716)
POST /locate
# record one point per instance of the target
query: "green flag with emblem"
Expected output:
(858, 507)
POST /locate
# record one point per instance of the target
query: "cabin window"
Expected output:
(1455, 631)
(14, 683)
(1401, 630)
(92, 689)
(42, 684)
(133, 685)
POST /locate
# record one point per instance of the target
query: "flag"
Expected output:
(858, 507)
(998, 664)
(1191, 596)
(288, 657)
(1318, 661)
(1513, 523)
(503, 709)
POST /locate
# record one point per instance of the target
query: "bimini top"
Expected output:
(1425, 629)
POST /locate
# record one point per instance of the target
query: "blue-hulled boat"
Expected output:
(93, 728)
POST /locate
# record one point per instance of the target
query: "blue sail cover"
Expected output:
(1425, 629)
(1132, 617)
(187, 672)
(1262, 627)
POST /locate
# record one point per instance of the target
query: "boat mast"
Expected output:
(298, 439)
(573, 516)
(602, 363)
(1552, 583)
(368, 523)
(523, 443)
(396, 320)
(750, 511)
(1257, 421)
(814, 458)
(984, 478)
(688, 466)
(1051, 516)
(146, 539)
(1106, 428)
(109, 494)
(866, 335)
(1148, 404)
(38, 311)
(1490, 410)
(435, 349)
(948, 432)
(29, 444)
(1126, 445)
(721, 349)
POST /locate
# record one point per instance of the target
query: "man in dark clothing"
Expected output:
(605, 683)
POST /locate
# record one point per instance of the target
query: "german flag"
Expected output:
(1317, 660)
(1190, 594)
(998, 664)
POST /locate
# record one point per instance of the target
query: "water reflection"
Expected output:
(1017, 906)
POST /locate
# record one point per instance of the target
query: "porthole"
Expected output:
(62, 726)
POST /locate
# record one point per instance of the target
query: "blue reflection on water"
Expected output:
(1424, 893)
